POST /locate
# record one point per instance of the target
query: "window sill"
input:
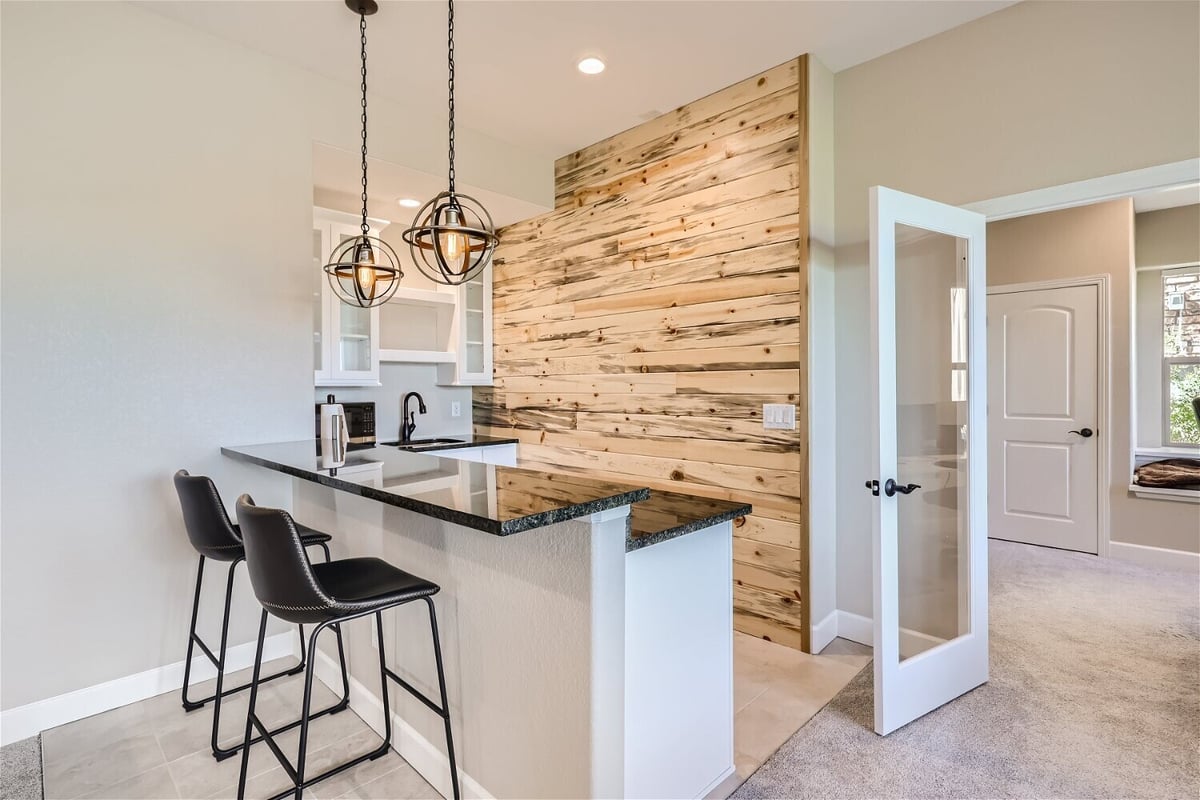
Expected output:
(1152, 453)
(1156, 493)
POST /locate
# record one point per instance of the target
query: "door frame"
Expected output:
(1103, 385)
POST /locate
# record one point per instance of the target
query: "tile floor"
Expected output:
(777, 689)
(152, 750)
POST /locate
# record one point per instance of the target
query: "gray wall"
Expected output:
(1036, 95)
(157, 200)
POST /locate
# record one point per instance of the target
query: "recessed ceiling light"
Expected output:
(408, 202)
(591, 66)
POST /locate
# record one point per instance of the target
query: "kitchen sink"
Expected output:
(426, 444)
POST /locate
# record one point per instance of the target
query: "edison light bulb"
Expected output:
(364, 276)
(454, 251)
(364, 270)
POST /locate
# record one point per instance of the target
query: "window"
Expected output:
(1181, 356)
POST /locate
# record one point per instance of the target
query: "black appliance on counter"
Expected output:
(360, 423)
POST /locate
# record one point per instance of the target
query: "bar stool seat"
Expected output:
(365, 584)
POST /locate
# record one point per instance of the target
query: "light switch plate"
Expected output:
(456, 409)
(779, 416)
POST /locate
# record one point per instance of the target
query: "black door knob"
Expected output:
(890, 487)
(1084, 432)
(874, 487)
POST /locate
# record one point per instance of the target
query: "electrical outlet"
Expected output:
(456, 409)
(779, 416)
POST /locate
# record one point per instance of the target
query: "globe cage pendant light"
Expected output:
(364, 271)
(452, 238)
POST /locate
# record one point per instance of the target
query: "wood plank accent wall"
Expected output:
(641, 325)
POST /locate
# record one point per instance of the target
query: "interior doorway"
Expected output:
(1044, 407)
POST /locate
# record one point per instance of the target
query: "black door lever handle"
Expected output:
(890, 487)
(1084, 432)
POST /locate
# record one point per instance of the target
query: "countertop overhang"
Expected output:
(507, 501)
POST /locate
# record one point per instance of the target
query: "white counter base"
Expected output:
(574, 669)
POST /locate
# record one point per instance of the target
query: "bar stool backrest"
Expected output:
(280, 572)
(204, 517)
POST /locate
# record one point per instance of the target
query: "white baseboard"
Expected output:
(28, 720)
(414, 748)
(858, 628)
(855, 628)
(1156, 557)
(824, 632)
(723, 786)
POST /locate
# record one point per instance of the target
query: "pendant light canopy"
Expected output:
(364, 270)
(452, 238)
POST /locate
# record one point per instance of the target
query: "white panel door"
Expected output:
(928, 295)
(1042, 413)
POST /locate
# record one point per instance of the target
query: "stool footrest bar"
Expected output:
(435, 708)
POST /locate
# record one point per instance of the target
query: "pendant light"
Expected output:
(452, 238)
(364, 270)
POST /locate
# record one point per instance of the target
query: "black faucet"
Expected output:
(408, 420)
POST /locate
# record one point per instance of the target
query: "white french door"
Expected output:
(929, 303)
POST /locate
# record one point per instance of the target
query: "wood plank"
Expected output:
(769, 629)
(721, 359)
(693, 427)
(768, 604)
(755, 333)
(766, 307)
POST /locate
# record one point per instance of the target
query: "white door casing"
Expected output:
(930, 540)
(1043, 422)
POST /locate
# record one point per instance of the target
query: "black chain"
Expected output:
(362, 30)
(450, 52)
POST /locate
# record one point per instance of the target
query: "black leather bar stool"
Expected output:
(214, 536)
(295, 590)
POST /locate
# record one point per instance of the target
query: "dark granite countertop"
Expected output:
(498, 500)
(667, 515)
(427, 444)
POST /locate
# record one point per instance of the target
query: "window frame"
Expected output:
(1166, 361)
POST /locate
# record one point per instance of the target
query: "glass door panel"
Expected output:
(931, 418)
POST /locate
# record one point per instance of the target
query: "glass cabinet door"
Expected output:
(320, 304)
(345, 337)
(473, 324)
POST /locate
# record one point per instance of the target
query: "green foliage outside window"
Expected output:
(1185, 385)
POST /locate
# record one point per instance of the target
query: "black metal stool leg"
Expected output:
(305, 704)
(383, 684)
(445, 712)
(187, 662)
(250, 719)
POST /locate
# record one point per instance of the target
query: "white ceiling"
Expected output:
(337, 171)
(515, 59)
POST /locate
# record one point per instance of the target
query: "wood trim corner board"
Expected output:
(642, 324)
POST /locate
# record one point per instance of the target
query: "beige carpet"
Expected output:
(1094, 692)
